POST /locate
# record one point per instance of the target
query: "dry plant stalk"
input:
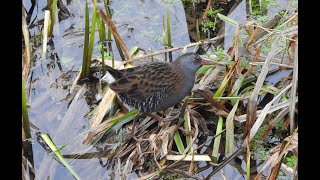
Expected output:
(273, 108)
(27, 57)
(273, 63)
(46, 25)
(176, 48)
(278, 152)
(207, 9)
(115, 33)
(252, 105)
(274, 122)
(260, 31)
(104, 106)
(206, 80)
(260, 119)
(97, 130)
(213, 101)
(294, 88)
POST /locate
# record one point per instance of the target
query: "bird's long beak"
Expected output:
(206, 62)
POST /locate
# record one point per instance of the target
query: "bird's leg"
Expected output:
(132, 134)
(187, 132)
(156, 117)
(171, 118)
(161, 120)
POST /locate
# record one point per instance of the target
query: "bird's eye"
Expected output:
(195, 60)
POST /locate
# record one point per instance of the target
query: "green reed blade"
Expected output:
(53, 15)
(217, 140)
(85, 72)
(56, 151)
(92, 32)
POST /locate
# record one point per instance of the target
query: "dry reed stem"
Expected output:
(176, 48)
(210, 78)
(260, 119)
(274, 122)
(230, 130)
(193, 139)
(273, 63)
(207, 9)
(75, 82)
(202, 157)
(288, 144)
(252, 104)
(214, 102)
(115, 33)
(260, 31)
(273, 108)
(293, 89)
(27, 59)
(46, 25)
(96, 131)
(103, 107)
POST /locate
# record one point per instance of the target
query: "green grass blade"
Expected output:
(85, 72)
(187, 127)
(204, 69)
(92, 32)
(106, 5)
(109, 35)
(169, 34)
(164, 36)
(230, 130)
(53, 15)
(176, 136)
(102, 36)
(222, 87)
(217, 140)
(109, 15)
(198, 31)
(25, 123)
(103, 29)
(56, 151)
(134, 50)
(248, 164)
(119, 50)
(228, 20)
(235, 89)
(168, 28)
(232, 98)
(100, 29)
(178, 141)
(122, 120)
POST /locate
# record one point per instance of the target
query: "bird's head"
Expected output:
(190, 62)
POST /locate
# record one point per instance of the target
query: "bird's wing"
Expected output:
(118, 74)
(145, 82)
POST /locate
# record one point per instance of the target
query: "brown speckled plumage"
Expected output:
(156, 86)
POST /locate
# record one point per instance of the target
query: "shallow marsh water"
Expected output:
(139, 24)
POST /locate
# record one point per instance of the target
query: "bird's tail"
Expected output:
(115, 73)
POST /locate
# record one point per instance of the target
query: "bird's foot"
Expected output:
(133, 136)
(156, 117)
(171, 118)
(186, 132)
(132, 133)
